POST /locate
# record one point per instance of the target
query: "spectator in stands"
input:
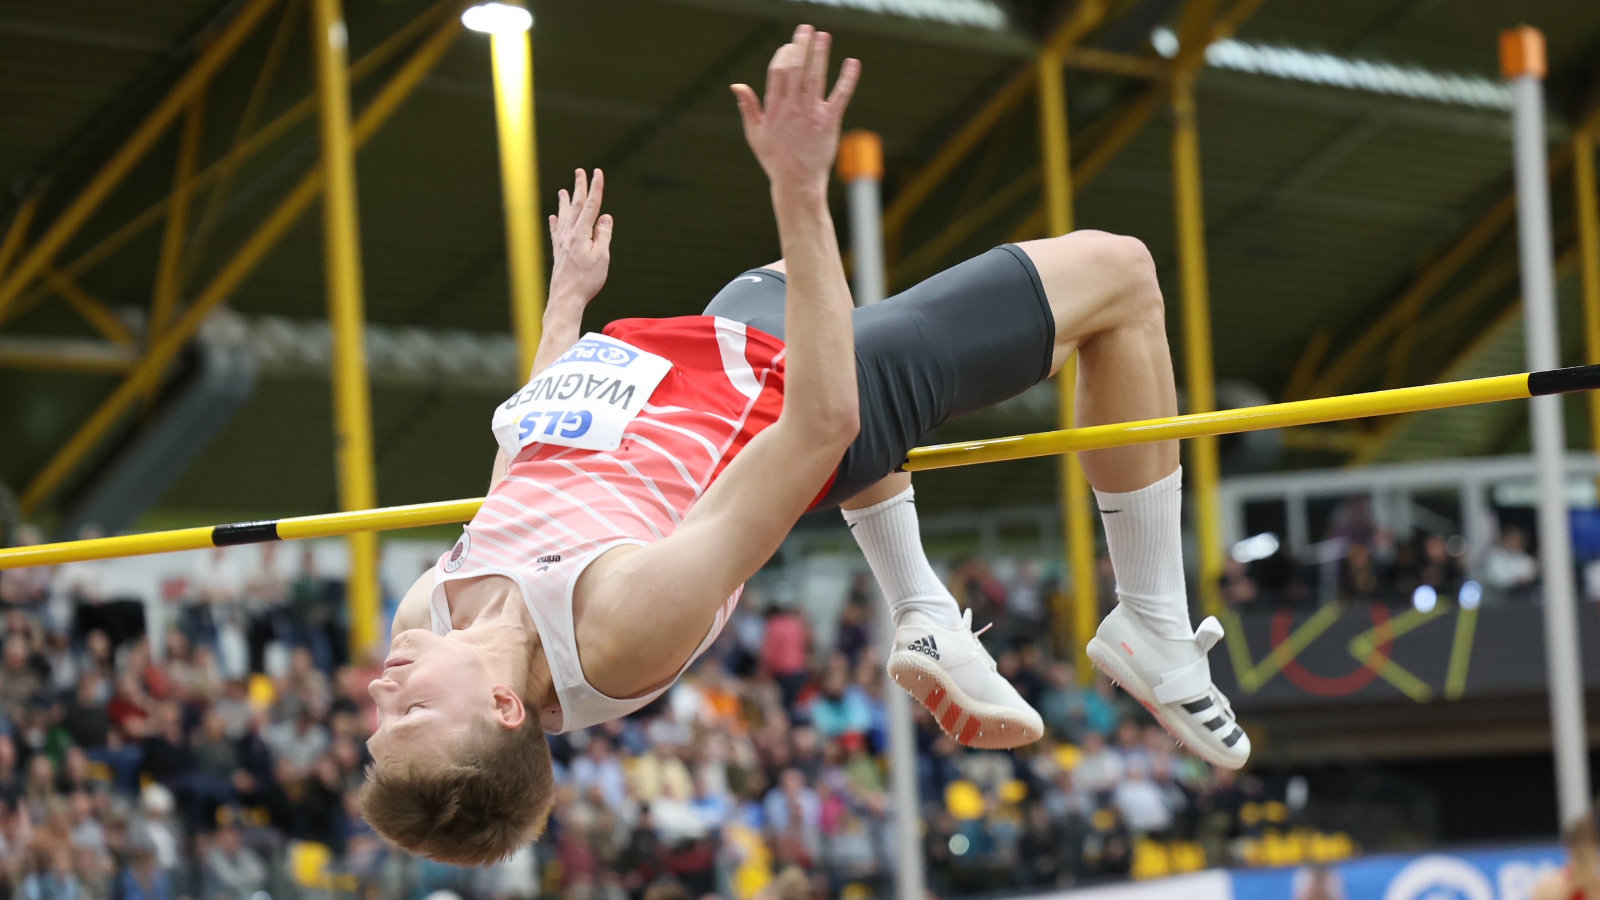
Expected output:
(264, 596)
(839, 707)
(53, 877)
(213, 614)
(230, 868)
(1238, 588)
(29, 589)
(1101, 767)
(154, 829)
(312, 610)
(1509, 571)
(1359, 579)
(785, 650)
(143, 878)
(853, 633)
(301, 741)
(1141, 803)
(598, 774)
(20, 684)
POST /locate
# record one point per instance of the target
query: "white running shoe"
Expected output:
(1173, 680)
(950, 673)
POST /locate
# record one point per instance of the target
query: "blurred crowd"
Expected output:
(218, 752)
(1361, 562)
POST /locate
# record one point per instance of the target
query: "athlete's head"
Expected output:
(461, 771)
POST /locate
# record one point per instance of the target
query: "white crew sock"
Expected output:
(892, 544)
(1144, 536)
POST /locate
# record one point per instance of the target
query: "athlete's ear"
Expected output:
(509, 713)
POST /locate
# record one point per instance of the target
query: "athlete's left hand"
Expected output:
(581, 240)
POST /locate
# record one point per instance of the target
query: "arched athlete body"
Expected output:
(647, 471)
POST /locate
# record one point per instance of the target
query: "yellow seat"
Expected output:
(964, 800)
(1279, 850)
(1150, 860)
(308, 866)
(1068, 757)
(1187, 856)
(1250, 814)
(263, 693)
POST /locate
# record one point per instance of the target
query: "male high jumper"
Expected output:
(646, 472)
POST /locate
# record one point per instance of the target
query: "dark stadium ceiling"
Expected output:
(1325, 202)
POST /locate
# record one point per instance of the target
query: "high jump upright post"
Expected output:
(861, 168)
(1055, 152)
(1523, 62)
(346, 316)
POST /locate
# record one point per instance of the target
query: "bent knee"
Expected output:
(1106, 269)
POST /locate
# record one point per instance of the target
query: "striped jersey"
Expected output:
(558, 508)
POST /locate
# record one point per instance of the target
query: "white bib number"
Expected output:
(584, 399)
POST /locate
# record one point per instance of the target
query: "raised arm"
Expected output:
(580, 241)
(580, 238)
(740, 521)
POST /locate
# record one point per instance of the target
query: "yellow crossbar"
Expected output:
(1097, 437)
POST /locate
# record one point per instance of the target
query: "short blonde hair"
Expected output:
(473, 811)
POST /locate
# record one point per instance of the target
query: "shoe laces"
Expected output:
(966, 619)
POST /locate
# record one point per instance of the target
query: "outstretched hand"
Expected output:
(795, 133)
(581, 240)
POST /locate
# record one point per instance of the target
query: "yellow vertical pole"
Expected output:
(1205, 472)
(351, 402)
(168, 266)
(512, 54)
(1077, 524)
(1588, 205)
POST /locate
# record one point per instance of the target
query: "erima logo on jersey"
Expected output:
(925, 646)
(552, 558)
(751, 278)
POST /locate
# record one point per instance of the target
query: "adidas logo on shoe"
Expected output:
(925, 646)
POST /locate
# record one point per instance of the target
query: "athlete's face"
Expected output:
(433, 690)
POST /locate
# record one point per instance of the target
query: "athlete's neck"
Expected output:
(500, 624)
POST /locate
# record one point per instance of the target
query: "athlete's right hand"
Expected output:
(795, 134)
(581, 240)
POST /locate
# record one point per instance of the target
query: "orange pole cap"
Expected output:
(861, 156)
(1522, 52)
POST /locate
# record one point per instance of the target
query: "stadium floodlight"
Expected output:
(1471, 594)
(1424, 598)
(497, 18)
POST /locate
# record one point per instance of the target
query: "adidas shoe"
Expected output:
(950, 673)
(1173, 680)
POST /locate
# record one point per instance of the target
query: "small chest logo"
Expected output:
(598, 351)
(552, 558)
(458, 553)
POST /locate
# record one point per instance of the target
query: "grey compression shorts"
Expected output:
(969, 337)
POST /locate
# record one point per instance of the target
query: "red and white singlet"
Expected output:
(559, 507)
